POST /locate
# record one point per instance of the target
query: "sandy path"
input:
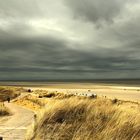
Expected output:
(16, 125)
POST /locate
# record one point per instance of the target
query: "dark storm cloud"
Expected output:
(96, 10)
(41, 40)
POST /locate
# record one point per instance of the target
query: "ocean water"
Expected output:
(122, 82)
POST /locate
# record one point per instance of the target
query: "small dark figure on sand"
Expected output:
(8, 99)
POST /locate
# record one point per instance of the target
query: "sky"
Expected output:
(69, 39)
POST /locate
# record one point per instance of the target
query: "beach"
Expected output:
(121, 92)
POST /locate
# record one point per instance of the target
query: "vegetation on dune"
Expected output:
(11, 92)
(3, 110)
(55, 95)
(36, 102)
(63, 116)
(77, 118)
(5, 93)
(30, 102)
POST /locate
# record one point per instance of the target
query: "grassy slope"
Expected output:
(75, 118)
(11, 92)
(4, 93)
(38, 101)
(3, 110)
(30, 102)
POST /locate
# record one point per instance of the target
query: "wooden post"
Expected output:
(1, 138)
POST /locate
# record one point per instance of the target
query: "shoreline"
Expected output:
(72, 84)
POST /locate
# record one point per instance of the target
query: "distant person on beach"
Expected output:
(8, 99)
(29, 90)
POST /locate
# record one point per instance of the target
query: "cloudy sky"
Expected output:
(69, 39)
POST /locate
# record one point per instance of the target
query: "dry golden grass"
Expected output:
(79, 118)
(6, 92)
(3, 110)
(48, 94)
(30, 102)
(36, 103)
(11, 92)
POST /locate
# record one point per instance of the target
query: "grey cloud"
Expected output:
(96, 10)
(33, 9)
(64, 51)
(20, 8)
(51, 54)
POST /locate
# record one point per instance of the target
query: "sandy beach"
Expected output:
(128, 93)
(125, 91)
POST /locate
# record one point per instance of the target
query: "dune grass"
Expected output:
(54, 94)
(5, 92)
(11, 92)
(78, 118)
(38, 102)
(30, 102)
(3, 110)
